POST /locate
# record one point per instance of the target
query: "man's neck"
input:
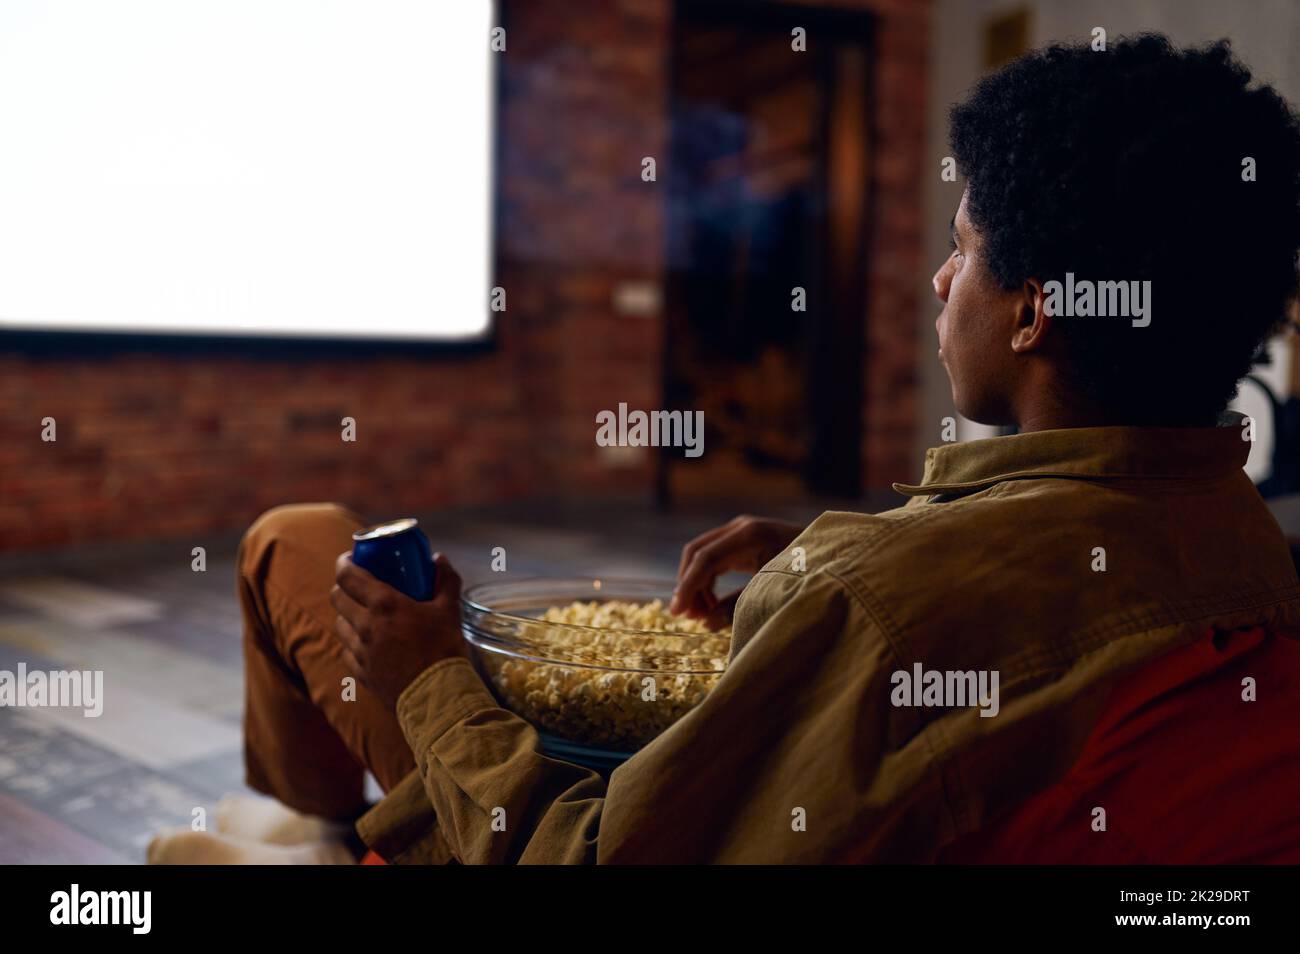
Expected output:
(1044, 418)
(1050, 415)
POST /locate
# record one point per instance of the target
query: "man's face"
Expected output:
(975, 328)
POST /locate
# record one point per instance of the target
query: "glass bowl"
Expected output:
(595, 695)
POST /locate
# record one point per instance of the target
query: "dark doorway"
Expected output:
(768, 191)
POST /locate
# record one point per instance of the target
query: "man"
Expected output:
(1106, 582)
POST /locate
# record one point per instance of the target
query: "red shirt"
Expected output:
(1188, 772)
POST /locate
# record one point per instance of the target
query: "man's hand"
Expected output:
(745, 543)
(388, 638)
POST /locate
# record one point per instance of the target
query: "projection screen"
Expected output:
(311, 168)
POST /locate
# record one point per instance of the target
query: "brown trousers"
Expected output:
(307, 741)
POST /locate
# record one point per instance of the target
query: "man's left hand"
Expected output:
(388, 638)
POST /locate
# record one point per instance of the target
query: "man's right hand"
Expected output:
(745, 543)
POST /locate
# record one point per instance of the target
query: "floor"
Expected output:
(94, 790)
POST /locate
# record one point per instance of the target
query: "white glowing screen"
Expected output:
(267, 167)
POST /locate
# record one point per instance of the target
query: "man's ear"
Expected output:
(1033, 319)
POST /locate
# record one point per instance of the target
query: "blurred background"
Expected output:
(774, 169)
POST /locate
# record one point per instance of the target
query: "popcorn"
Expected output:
(603, 698)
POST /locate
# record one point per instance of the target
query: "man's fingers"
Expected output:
(722, 614)
(349, 609)
(356, 582)
(349, 639)
(353, 665)
(446, 582)
(693, 546)
(696, 584)
(693, 593)
(698, 605)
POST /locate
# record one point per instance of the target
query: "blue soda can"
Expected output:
(398, 553)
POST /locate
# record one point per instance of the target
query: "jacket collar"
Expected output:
(1090, 453)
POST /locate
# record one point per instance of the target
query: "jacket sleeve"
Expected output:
(498, 799)
(794, 756)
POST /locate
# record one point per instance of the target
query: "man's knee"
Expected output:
(300, 527)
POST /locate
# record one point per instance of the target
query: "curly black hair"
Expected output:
(1127, 165)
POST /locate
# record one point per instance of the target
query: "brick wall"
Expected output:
(156, 444)
(893, 344)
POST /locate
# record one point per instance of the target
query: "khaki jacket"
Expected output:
(799, 754)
